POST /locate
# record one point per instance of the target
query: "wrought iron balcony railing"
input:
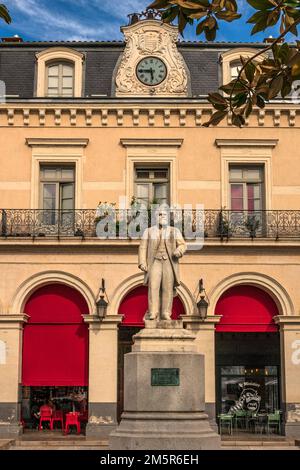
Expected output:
(84, 223)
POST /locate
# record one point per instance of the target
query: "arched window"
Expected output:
(231, 61)
(60, 79)
(59, 73)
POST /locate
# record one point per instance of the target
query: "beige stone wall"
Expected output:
(104, 175)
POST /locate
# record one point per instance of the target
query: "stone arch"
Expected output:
(50, 277)
(137, 280)
(262, 281)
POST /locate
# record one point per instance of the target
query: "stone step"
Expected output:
(64, 447)
(61, 443)
(264, 443)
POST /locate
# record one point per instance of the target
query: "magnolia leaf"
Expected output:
(275, 87)
(260, 4)
(216, 118)
(159, 4)
(4, 14)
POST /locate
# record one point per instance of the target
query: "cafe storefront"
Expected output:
(248, 365)
(55, 355)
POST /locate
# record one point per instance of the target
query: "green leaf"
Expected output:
(216, 98)
(216, 118)
(238, 120)
(228, 16)
(4, 14)
(260, 4)
(157, 4)
(250, 71)
(286, 89)
(260, 101)
(275, 87)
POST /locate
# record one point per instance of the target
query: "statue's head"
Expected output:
(162, 217)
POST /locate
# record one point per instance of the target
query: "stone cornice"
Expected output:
(14, 318)
(287, 320)
(246, 142)
(152, 113)
(54, 142)
(151, 142)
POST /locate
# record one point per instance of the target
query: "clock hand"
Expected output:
(152, 75)
(145, 70)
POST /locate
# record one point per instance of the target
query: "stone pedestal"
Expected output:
(164, 393)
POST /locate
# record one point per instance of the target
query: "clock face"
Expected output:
(151, 71)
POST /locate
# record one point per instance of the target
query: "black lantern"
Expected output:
(203, 304)
(102, 302)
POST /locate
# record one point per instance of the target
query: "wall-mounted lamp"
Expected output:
(102, 302)
(203, 304)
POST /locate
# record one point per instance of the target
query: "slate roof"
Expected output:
(17, 64)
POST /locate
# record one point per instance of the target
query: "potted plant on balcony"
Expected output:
(224, 229)
(103, 210)
(252, 224)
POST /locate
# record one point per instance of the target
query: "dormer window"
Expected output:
(60, 79)
(231, 62)
(59, 73)
(235, 68)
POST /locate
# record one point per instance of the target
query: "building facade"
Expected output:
(83, 122)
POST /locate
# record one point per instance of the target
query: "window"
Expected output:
(152, 185)
(246, 187)
(235, 68)
(60, 79)
(57, 192)
(59, 72)
(231, 61)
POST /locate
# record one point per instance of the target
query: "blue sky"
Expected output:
(98, 20)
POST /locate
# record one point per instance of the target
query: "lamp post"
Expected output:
(202, 304)
(102, 302)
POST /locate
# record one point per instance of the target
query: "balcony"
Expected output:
(86, 223)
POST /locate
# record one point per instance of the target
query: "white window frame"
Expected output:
(60, 65)
(59, 54)
(58, 152)
(153, 181)
(233, 56)
(246, 152)
(152, 152)
(244, 183)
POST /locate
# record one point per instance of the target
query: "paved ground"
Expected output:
(47, 440)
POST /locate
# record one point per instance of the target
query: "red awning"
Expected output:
(55, 340)
(246, 309)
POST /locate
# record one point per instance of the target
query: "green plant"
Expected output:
(252, 224)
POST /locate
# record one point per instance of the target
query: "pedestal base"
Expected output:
(164, 431)
(164, 398)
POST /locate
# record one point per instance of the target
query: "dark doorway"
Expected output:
(125, 343)
(247, 373)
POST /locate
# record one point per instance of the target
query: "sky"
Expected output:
(100, 20)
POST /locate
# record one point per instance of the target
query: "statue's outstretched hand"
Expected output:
(177, 253)
(142, 267)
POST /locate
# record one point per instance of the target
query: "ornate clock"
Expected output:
(151, 71)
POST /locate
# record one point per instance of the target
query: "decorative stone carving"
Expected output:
(145, 39)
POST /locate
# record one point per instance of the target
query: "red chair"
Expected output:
(72, 419)
(58, 417)
(46, 416)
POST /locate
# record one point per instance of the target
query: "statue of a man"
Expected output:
(160, 249)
